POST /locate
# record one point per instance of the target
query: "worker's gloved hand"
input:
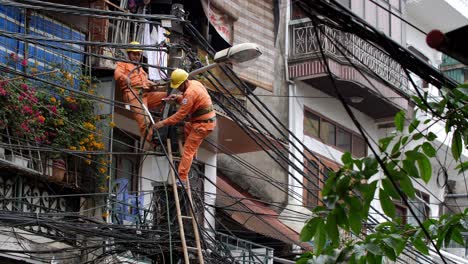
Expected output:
(171, 99)
(156, 87)
(158, 125)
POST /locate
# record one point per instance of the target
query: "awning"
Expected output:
(254, 215)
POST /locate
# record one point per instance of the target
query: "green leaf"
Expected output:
(425, 168)
(396, 147)
(407, 186)
(429, 149)
(410, 168)
(400, 120)
(389, 252)
(387, 204)
(346, 158)
(431, 136)
(343, 185)
(371, 247)
(457, 236)
(414, 155)
(330, 183)
(390, 189)
(397, 244)
(418, 136)
(419, 244)
(320, 238)
(462, 167)
(457, 145)
(404, 140)
(309, 229)
(341, 218)
(414, 124)
(384, 142)
(355, 222)
(332, 229)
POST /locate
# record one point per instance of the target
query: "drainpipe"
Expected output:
(292, 89)
(210, 160)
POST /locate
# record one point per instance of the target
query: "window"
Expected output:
(311, 124)
(359, 146)
(333, 135)
(328, 132)
(419, 205)
(296, 12)
(317, 171)
(312, 191)
(343, 140)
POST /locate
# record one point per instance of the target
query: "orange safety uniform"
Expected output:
(194, 100)
(140, 86)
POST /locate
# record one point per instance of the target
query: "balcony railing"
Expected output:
(246, 252)
(367, 56)
(35, 160)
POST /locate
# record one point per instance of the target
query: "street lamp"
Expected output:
(236, 54)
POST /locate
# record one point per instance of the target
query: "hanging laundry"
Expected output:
(154, 36)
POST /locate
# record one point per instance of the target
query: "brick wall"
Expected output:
(254, 23)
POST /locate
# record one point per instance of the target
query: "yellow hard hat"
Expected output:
(178, 76)
(134, 49)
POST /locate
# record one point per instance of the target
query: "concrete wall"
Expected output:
(258, 16)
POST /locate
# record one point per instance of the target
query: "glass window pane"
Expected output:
(343, 140)
(312, 184)
(359, 146)
(311, 124)
(296, 12)
(328, 132)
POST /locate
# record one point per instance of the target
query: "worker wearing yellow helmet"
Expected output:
(195, 102)
(131, 78)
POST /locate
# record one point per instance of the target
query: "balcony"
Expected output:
(380, 99)
(34, 161)
(246, 252)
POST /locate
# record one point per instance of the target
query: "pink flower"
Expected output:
(3, 92)
(24, 62)
(25, 127)
(53, 109)
(13, 56)
(24, 87)
(21, 98)
(27, 109)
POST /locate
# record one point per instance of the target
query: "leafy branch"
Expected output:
(349, 192)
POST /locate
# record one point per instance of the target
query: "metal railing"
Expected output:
(246, 252)
(304, 45)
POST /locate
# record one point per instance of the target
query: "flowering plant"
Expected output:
(47, 113)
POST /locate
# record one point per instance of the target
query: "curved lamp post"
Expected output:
(236, 54)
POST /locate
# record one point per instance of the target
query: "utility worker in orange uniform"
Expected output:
(196, 102)
(127, 73)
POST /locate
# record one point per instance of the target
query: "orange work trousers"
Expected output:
(195, 133)
(152, 100)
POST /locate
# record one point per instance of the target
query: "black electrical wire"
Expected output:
(358, 125)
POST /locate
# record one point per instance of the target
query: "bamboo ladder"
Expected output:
(181, 217)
